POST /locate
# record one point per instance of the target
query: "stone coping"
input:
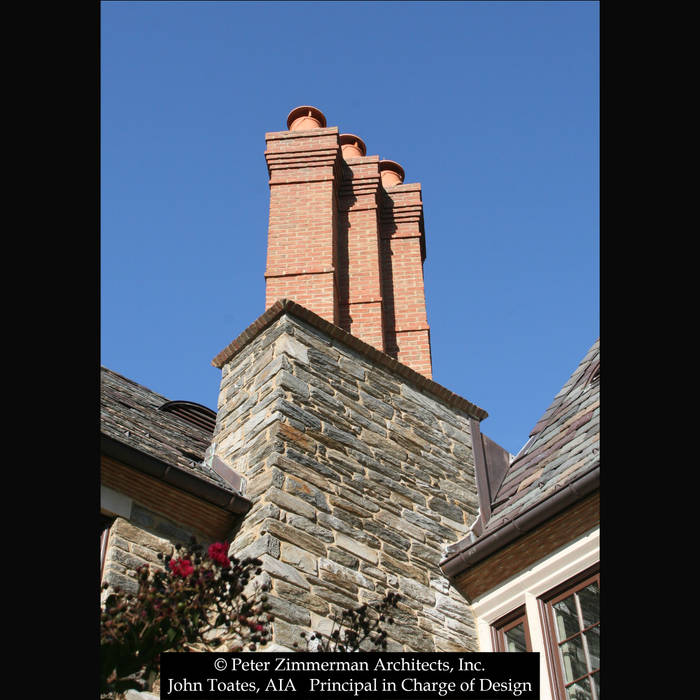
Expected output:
(287, 306)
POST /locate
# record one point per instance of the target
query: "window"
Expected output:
(105, 524)
(511, 633)
(571, 617)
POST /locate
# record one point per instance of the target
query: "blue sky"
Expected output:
(492, 106)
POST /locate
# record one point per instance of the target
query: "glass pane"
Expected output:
(515, 638)
(566, 617)
(590, 605)
(579, 691)
(573, 659)
(596, 683)
(593, 642)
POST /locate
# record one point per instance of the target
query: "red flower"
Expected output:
(218, 552)
(181, 567)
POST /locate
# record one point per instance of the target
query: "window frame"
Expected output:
(548, 625)
(106, 522)
(507, 622)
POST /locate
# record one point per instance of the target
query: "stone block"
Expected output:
(343, 558)
(343, 600)
(280, 363)
(291, 383)
(455, 609)
(279, 570)
(306, 492)
(298, 558)
(255, 485)
(120, 581)
(259, 513)
(449, 510)
(399, 568)
(283, 609)
(300, 596)
(291, 347)
(310, 527)
(294, 412)
(342, 573)
(125, 559)
(287, 533)
(373, 571)
(355, 548)
(289, 635)
(417, 591)
(132, 533)
(264, 544)
(401, 525)
(290, 503)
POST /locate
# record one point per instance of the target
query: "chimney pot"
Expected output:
(305, 117)
(391, 173)
(352, 146)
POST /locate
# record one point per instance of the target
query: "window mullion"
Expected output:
(584, 645)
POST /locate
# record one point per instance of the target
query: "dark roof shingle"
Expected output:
(129, 414)
(563, 445)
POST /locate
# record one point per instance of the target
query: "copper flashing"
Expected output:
(184, 480)
(287, 306)
(483, 488)
(466, 553)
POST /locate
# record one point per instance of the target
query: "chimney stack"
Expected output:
(346, 237)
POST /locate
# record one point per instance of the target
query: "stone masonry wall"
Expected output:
(137, 542)
(358, 479)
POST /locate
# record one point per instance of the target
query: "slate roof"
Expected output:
(130, 414)
(563, 445)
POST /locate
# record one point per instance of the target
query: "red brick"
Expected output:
(345, 247)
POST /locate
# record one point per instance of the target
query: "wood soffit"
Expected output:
(531, 547)
(166, 499)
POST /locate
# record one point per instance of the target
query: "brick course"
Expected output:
(344, 245)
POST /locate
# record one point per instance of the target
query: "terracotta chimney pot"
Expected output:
(352, 146)
(391, 173)
(304, 118)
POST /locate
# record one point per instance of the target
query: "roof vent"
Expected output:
(194, 413)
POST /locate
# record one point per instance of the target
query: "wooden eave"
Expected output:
(517, 555)
(174, 493)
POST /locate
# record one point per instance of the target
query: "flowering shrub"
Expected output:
(218, 552)
(181, 567)
(198, 599)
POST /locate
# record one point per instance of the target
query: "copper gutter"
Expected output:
(175, 476)
(470, 553)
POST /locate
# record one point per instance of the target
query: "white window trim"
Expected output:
(527, 587)
(114, 502)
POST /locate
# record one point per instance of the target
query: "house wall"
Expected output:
(358, 481)
(527, 587)
(137, 540)
(128, 548)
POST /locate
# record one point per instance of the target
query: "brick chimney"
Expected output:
(346, 237)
